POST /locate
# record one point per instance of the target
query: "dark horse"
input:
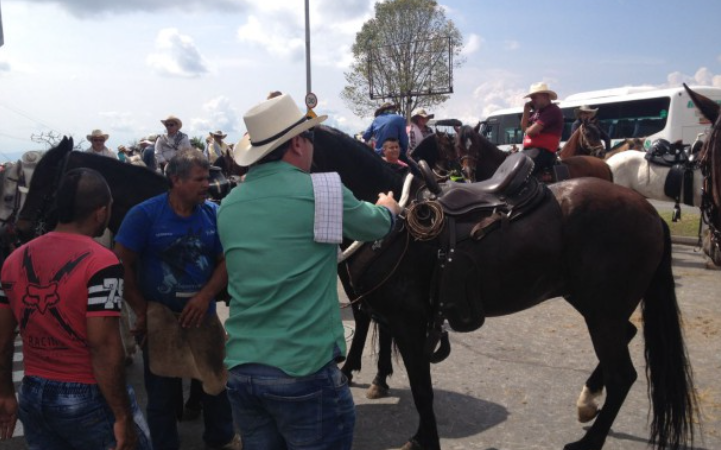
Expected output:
(547, 254)
(710, 164)
(488, 157)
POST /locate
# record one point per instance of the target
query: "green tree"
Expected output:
(405, 53)
(198, 142)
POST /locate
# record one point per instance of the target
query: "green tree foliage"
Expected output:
(407, 42)
(198, 142)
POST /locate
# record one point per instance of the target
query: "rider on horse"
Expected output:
(542, 121)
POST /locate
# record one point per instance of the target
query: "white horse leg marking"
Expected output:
(586, 405)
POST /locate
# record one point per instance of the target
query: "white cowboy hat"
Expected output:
(270, 124)
(219, 133)
(146, 142)
(387, 106)
(172, 118)
(541, 88)
(585, 109)
(97, 134)
(420, 112)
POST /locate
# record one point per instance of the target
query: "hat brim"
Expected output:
(246, 154)
(551, 94)
(180, 122)
(577, 112)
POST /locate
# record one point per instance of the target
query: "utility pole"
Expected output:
(307, 48)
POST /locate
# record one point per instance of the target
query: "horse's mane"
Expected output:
(710, 155)
(360, 168)
(427, 150)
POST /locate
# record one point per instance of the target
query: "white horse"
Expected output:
(632, 170)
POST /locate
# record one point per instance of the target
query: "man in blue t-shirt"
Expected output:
(387, 124)
(172, 255)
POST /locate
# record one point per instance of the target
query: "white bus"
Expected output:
(631, 112)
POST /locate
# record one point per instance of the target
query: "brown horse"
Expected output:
(488, 158)
(524, 262)
(585, 141)
(710, 164)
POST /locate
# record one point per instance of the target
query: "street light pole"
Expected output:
(307, 48)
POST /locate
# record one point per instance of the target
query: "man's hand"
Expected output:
(194, 311)
(125, 436)
(8, 416)
(389, 202)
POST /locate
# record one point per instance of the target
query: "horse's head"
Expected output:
(481, 157)
(590, 139)
(710, 163)
(36, 214)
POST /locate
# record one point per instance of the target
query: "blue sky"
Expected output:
(71, 66)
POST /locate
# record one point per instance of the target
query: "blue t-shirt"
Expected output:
(177, 255)
(386, 126)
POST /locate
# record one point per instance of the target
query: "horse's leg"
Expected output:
(586, 403)
(611, 345)
(355, 354)
(379, 388)
(410, 336)
(193, 406)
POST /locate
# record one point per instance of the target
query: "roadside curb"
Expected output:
(684, 240)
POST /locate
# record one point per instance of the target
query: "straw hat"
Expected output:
(172, 118)
(584, 109)
(420, 112)
(219, 134)
(97, 134)
(270, 124)
(541, 88)
(387, 106)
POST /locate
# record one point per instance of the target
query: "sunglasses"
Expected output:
(308, 134)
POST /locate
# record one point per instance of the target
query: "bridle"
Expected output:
(709, 210)
(593, 149)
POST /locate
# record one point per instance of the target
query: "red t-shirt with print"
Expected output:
(53, 284)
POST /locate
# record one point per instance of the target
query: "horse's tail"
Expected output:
(668, 370)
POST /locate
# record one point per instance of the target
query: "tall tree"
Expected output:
(404, 54)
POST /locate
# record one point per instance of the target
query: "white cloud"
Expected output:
(176, 56)
(122, 122)
(498, 94)
(92, 8)
(702, 77)
(473, 44)
(274, 37)
(4, 66)
(218, 114)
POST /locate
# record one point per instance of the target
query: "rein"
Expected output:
(593, 149)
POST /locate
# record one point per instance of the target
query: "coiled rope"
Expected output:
(425, 220)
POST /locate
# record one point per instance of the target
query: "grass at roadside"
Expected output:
(686, 226)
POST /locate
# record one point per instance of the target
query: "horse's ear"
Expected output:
(708, 107)
(477, 128)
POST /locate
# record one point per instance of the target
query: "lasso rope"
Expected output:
(425, 220)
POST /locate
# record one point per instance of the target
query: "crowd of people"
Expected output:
(270, 373)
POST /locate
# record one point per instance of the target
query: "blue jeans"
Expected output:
(163, 404)
(58, 415)
(275, 411)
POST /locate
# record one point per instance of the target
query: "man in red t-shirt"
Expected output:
(64, 291)
(542, 121)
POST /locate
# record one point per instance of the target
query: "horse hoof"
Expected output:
(582, 445)
(410, 445)
(375, 392)
(587, 413)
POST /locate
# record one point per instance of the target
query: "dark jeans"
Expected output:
(58, 415)
(542, 158)
(162, 412)
(275, 411)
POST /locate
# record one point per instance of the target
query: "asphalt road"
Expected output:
(513, 384)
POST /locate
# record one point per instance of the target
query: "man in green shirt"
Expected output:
(279, 232)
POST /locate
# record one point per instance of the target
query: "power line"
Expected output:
(27, 116)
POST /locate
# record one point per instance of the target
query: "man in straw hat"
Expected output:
(280, 232)
(216, 147)
(167, 145)
(387, 124)
(97, 141)
(418, 129)
(542, 122)
(586, 113)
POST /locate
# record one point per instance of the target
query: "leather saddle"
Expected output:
(472, 211)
